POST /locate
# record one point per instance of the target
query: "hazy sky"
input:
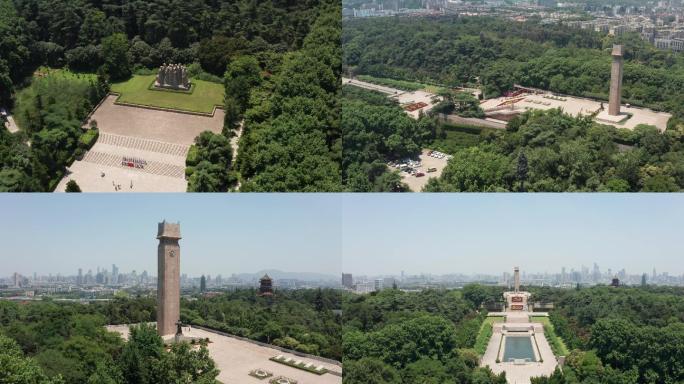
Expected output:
(358, 233)
(476, 233)
(222, 233)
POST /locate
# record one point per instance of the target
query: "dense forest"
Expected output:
(51, 343)
(67, 342)
(619, 335)
(279, 61)
(376, 129)
(624, 335)
(302, 320)
(538, 151)
(497, 54)
(418, 337)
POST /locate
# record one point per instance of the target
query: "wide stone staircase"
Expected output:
(144, 144)
(147, 152)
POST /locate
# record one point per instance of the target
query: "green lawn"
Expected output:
(202, 99)
(556, 343)
(486, 333)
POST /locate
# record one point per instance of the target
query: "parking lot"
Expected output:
(416, 172)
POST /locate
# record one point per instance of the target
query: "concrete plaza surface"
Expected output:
(159, 138)
(166, 126)
(101, 168)
(578, 106)
(235, 358)
(519, 373)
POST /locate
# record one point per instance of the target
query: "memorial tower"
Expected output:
(168, 278)
(616, 82)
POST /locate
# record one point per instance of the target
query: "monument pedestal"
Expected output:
(605, 116)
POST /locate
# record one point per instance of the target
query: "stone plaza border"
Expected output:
(162, 109)
(261, 344)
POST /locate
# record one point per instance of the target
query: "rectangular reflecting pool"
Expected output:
(518, 347)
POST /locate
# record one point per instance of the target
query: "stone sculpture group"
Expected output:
(174, 76)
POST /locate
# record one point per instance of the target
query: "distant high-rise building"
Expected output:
(378, 285)
(17, 280)
(388, 282)
(115, 274)
(79, 279)
(596, 274)
(347, 280)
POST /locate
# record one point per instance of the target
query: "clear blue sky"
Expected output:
(478, 233)
(222, 233)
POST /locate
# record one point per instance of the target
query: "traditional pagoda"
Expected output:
(266, 286)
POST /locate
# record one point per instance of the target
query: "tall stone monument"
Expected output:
(172, 76)
(616, 82)
(516, 301)
(168, 280)
(516, 279)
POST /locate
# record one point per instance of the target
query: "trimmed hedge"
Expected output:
(88, 139)
(192, 158)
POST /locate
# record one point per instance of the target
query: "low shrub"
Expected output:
(88, 139)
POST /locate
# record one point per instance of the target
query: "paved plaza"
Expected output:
(157, 142)
(165, 126)
(235, 358)
(577, 106)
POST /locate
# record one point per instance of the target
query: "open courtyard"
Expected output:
(236, 358)
(202, 98)
(156, 141)
(629, 118)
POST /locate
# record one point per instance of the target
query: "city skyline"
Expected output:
(491, 234)
(221, 234)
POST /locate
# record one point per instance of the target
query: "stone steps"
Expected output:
(153, 167)
(144, 144)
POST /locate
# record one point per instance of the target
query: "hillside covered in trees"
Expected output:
(68, 343)
(624, 335)
(538, 151)
(619, 335)
(302, 320)
(50, 343)
(279, 62)
(418, 337)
